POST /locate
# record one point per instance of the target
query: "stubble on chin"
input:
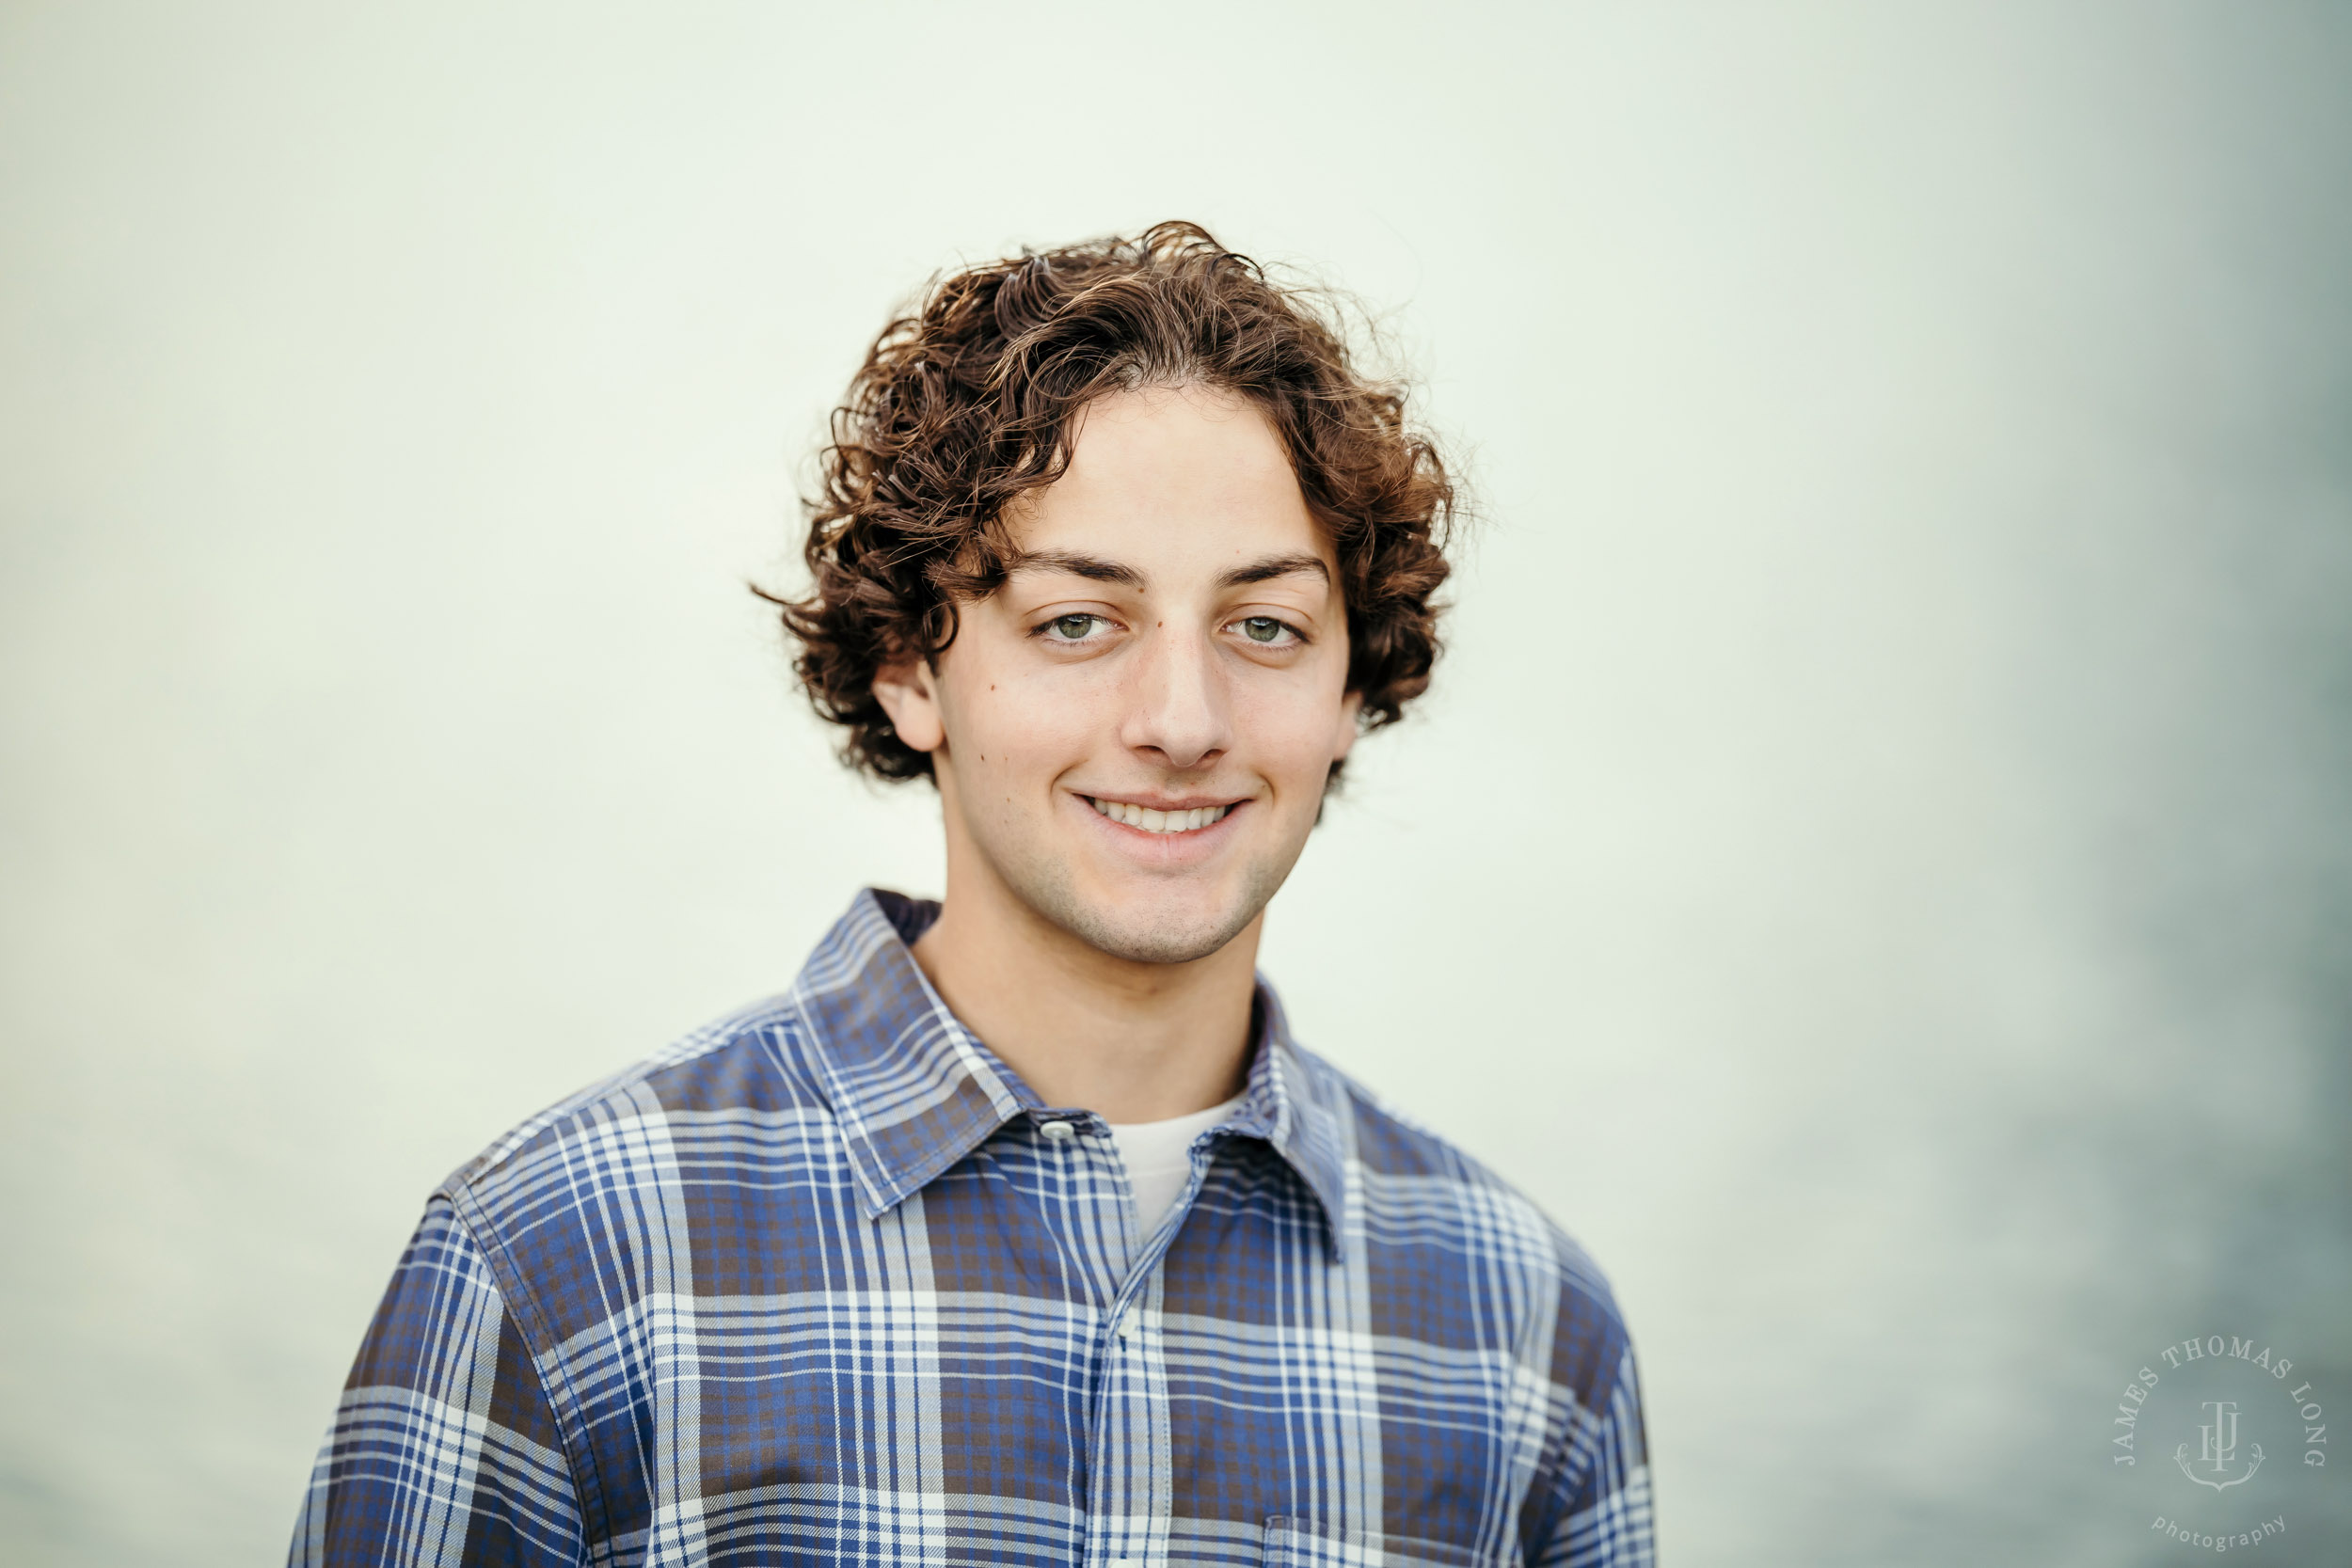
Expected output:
(1136, 935)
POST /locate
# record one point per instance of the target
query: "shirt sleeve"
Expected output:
(444, 1448)
(1596, 1513)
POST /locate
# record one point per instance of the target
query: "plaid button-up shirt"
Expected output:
(825, 1282)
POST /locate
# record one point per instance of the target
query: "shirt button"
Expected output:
(1126, 1331)
(1061, 1132)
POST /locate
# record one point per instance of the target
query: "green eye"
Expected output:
(1262, 629)
(1073, 627)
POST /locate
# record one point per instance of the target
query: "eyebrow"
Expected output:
(1095, 568)
(1274, 566)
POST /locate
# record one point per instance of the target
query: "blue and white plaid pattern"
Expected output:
(816, 1285)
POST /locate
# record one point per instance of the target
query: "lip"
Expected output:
(1164, 851)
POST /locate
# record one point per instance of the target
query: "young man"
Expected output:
(1020, 1230)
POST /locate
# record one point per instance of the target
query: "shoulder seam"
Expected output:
(515, 1293)
(712, 1037)
(1575, 1268)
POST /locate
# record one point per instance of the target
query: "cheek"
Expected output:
(1291, 735)
(1010, 727)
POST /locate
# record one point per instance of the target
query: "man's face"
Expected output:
(1132, 737)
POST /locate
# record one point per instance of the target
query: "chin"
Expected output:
(1155, 945)
(1141, 929)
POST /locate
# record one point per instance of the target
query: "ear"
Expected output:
(1351, 707)
(908, 692)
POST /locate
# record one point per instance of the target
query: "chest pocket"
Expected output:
(1295, 1542)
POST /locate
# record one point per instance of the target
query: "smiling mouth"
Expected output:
(1159, 821)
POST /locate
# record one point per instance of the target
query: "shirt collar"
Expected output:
(914, 1091)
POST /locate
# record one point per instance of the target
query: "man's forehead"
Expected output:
(1172, 485)
(1190, 442)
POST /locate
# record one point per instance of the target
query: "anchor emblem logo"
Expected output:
(2219, 1449)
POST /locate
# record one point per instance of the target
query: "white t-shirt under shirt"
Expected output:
(1158, 1157)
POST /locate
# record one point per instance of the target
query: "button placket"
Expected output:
(1133, 1434)
(1129, 1519)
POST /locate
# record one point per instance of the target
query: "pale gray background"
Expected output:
(1877, 864)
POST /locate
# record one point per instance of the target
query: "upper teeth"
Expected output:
(1160, 821)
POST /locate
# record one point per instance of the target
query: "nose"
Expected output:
(1179, 710)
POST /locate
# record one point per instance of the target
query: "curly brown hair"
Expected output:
(970, 402)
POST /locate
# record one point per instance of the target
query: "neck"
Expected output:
(1129, 1041)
